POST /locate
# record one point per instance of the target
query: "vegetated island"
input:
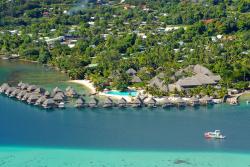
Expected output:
(157, 48)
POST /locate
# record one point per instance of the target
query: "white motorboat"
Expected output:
(214, 135)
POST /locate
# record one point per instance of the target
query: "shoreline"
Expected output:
(86, 83)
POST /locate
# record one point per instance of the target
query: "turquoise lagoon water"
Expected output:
(30, 136)
(125, 93)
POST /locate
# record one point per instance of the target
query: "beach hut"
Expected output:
(47, 94)
(136, 79)
(15, 93)
(59, 97)
(80, 102)
(137, 102)
(55, 91)
(10, 90)
(151, 102)
(193, 101)
(93, 102)
(24, 86)
(48, 104)
(180, 102)
(70, 92)
(33, 98)
(40, 90)
(131, 72)
(166, 103)
(26, 96)
(108, 103)
(206, 100)
(4, 87)
(32, 88)
(40, 101)
(122, 102)
(21, 94)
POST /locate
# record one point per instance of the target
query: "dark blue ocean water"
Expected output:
(137, 129)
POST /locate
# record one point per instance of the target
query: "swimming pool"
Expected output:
(120, 93)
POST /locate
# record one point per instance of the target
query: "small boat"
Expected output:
(214, 135)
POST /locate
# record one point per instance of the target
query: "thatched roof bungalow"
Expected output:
(40, 101)
(4, 87)
(151, 102)
(131, 72)
(70, 92)
(47, 94)
(156, 82)
(137, 102)
(15, 93)
(166, 103)
(21, 94)
(49, 103)
(80, 102)
(33, 98)
(55, 91)
(180, 102)
(93, 102)
(193, 101)
(206, 100)
(108, 103)
(135, 79)
(59, 97)
(122, 102)
(24, 86)
(26, 96)
(40, 90)
(10, 90)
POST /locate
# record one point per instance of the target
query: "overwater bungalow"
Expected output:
(40, 90)
(206, 100)
(180, 102)
(151, 102)
(122, 103)
(32, 88)
(193, 101)
(80, 102)
(49, 103)
(26, 96)
(33, 98)
(47, 94)
(55, 91)
(108, 103)
(24, 86)
(19, 85)
(70, 92)
(166, 103)
(4, 87)
(10, 90)
(93, 102)
(59, 97)
(40, 101)
(21, 94)
(15, 93)
(137, 102)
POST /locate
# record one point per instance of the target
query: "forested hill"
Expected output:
(100, 39)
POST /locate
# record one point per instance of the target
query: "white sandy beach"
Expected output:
(86, 83)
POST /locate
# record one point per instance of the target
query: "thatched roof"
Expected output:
(16, 92)
(32, 87)
(206, 98)
(122, 101)
(56, 89)
(47, 93)
(40, 90)
(151, 101)
(21, 93)
(136, 79)
(5, 86)
(93, 101)
(58, 97)
(10, 90)
(137, 101)
(20, 84)
(157, 82)
(197, 80)
(194, 99)
(199, 69)
(68, 88)
(108, 101)
(24, 86)
(33, 97)
(131, 71)
(49, 102)
(80, 101)
(41, 100)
